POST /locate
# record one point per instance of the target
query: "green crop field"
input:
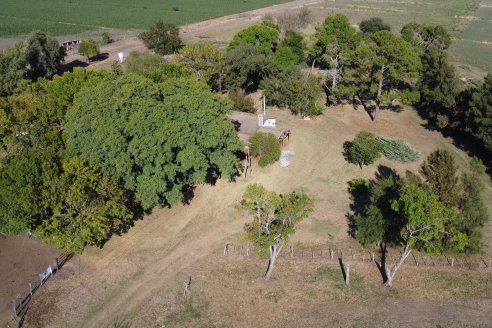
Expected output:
(62, 17)
(475, 44)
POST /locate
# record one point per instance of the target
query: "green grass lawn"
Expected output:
(63, 17)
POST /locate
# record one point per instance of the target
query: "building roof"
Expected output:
(246, 126)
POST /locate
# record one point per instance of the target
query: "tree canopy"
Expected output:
(87, 208)
(266, 146)
(275, 219)
(264, 37)
(364, 150)
(44, 55)
(245, 67)
(440, 171)
(157, 139)
(373, 25)
(402, 213)
(162, 38)
(384, 65)
(88, 48)
(205, 60)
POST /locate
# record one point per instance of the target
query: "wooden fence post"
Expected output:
(452, 262)
(347, 274)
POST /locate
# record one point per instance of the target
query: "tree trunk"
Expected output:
(380, 91)
(334, 73)
(274, 251)
(391, 274)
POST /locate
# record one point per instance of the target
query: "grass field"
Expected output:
(475, 44)
(62, 17)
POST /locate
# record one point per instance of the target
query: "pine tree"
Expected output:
(439, 170)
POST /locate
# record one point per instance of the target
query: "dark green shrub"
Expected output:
(358, 186)
(398, 149)
(266, 146)
(106, 38)
(364, 150)
(242, 103)
(373, 25)
(162, 38)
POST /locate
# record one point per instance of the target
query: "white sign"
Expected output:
(45, 274)
(121, 56)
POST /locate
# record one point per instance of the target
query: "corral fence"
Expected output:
(22, 300)
(71, 45)
(330, 253)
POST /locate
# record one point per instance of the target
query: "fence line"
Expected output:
(20, 303)
(418, 259)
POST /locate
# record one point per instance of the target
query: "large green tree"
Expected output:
(89, 48)
(479, 114)
(424, 228)
(440, 171)
(87, 208)
(32, 127)
(275, 219)
(336, 38)
(12, 68)
(474, 213)
(205, 60)
(162, 38)
(157, 139)
(245, 67)
(264, 37)
(383, 66)
(403, 214)
(295, 42)
(44, 55)
(20, 193)
(438, 84)
(291, 88)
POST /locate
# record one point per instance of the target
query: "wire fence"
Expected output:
(416, 258)
(22, 300)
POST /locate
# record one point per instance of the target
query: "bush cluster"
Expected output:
(397, 149)
(266, 146)
(366, 149)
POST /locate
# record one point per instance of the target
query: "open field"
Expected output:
(474, 46)
(82, 19)
(59, 17)
(139, 276)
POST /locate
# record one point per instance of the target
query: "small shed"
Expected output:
(247, 125)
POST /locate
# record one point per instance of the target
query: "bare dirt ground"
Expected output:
(22, 259)
(138, 275)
